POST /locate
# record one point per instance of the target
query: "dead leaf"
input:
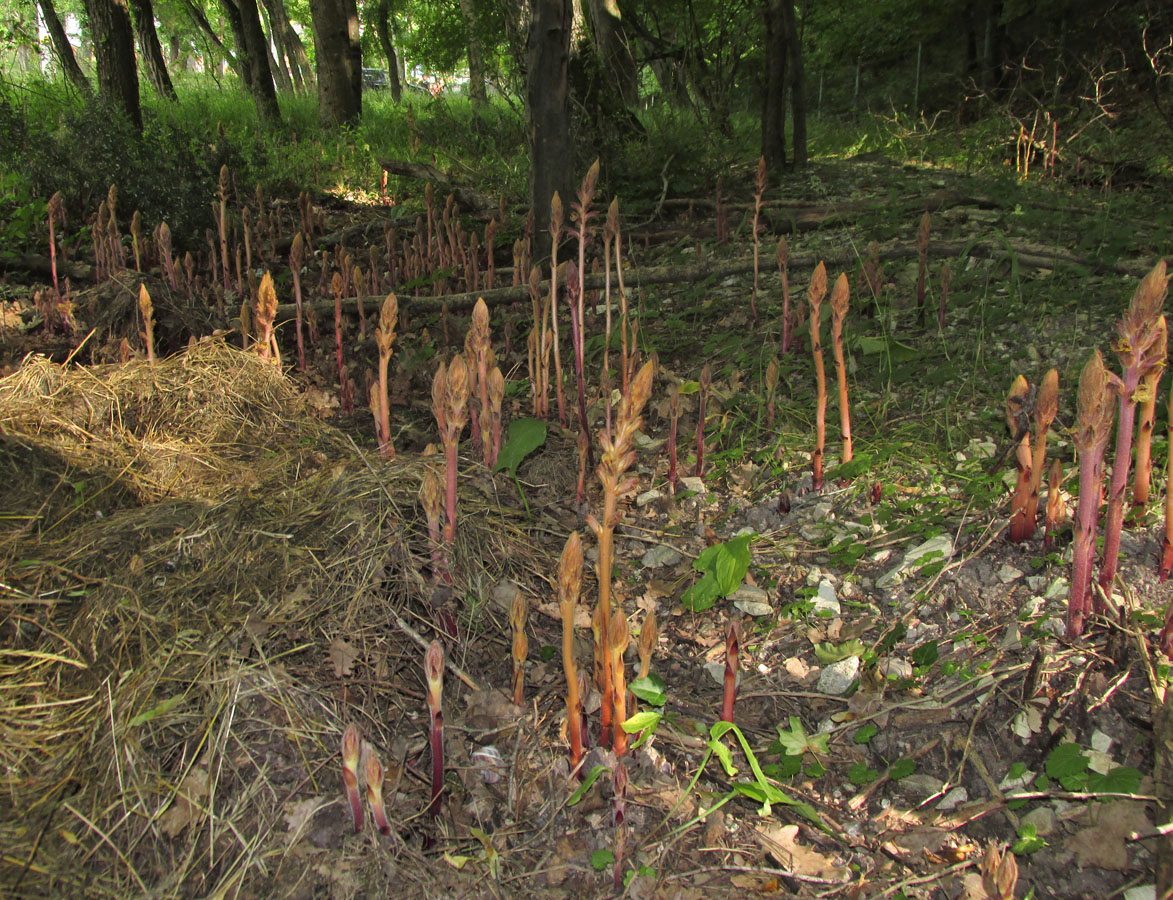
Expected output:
(780, 841)
(582, 617)
(318, 400)
(298, 815)
(185, 808)
(796, 668)
(343, 655)
(1103, 844)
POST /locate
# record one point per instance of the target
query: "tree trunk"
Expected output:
(151, 50)
(774, 95)
(63, 49)
(275, 47)
(205, 27)
(551, 149)
(476, 53)
(113, 37)
(383, 30)
(614, 51)
(299, 60)
(253, 49)
(797, 83)
(338, 60)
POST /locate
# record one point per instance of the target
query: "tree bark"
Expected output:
(774, 95)
(383, 30)
(275, 48)
(253, 49)
(551, 149)
(151, 50)
(614, 50)
(113, 37)
(205, 27)
(797, 84)
(63, 49)
(476, 53)
(295, 53)
(339, 61)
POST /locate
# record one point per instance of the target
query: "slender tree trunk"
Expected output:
(63, 49)
(383, 30)
(339, 61)
(205, 27)
(476, 53)
(151, 50)
(774, 95)
(275, 47)
(253, 48)
(614, 50)
(797, 83)
(113, 37)
(299, 60)
(551, 146)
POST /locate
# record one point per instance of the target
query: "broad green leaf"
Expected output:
(860, 774)
(600, 859)
(828, 653)
(902, 768)
(926, 654)
(1067, 764)
(702, 595)
(731, 563)
(640, 721)
(865, 733)
(525, 436)
(1121, 780)
(650, 689)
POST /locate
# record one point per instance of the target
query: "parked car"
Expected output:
(375, 80)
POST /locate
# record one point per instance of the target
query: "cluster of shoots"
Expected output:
(618, 456)
(815, 294)
(450, 389)
(434, 676)
(759, 190)
(432, 500)
(360, 763)
(109, 256)
(1029, 462)
(1141, 345)
(148, 313)
(487, 385)
(384, 337)
(264, 315)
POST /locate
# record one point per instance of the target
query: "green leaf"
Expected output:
(161, 709)
(702, 595)
(601, 859)
(865, 733)
(828, 653)
(640, 721)
(796, 742)
(650, 689)
(1065, 762)
(525, 436)
(860, 774)
(724, 754)
(860, 464)
(926, 654)
(1121, 780)
(1029, 840)
(902, 768)
(689, 387)
(591, 778)
(731, 563)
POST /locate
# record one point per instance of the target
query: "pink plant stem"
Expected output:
(451, 445)
(573, 294)
(732, 652)
(1083, 544)
(1121, 463)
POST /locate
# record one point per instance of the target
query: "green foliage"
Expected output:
(525, 436)
(796, 742)
(724, 566)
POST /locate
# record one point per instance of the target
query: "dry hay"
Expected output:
(182, 643)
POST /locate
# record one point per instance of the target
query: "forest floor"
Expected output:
(207, 570)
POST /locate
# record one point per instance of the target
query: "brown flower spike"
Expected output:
(815, 294)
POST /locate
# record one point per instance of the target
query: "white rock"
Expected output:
(1101, 741)
(694, 484)
(826, 601)
(891, 667)
(953, 799)
(660, 555)
(648, 496)
(1007, 573)
(1042, 818)
(1141, 892)
(752, 601)
(836, 678)
(940, 546)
